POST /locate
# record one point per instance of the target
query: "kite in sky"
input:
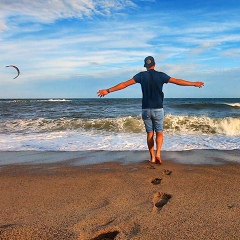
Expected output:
(16, 69)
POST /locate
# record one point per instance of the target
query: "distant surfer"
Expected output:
(152, 102)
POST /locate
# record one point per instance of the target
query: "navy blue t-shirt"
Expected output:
(151, 97)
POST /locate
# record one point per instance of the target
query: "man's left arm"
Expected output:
(120, 86)
(182, 82)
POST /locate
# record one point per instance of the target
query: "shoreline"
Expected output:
(78, 158)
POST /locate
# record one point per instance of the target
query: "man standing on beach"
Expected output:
(152, 102)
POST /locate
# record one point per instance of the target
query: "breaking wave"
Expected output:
(173, 124)
(234, 104)
(185, 124)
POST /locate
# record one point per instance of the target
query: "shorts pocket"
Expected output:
(159, 114)
(145, 114)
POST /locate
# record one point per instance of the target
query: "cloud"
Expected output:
(51, 10)
(232, 53)
(2, 25)
(66, 52)
(202, 47)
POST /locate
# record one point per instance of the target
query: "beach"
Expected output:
(54, 195)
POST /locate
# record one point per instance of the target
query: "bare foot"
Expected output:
(158, 160)
(152, 160)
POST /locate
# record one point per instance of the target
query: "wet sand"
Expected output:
(65, 200)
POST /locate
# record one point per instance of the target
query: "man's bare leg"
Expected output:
(159, 141)
(150, 143)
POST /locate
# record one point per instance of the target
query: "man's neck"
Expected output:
(151, 68)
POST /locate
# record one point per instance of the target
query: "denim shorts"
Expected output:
(153, 119)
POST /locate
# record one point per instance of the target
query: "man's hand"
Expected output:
(198, 84)
(102, 93)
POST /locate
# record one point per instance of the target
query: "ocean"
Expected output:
(116, 125)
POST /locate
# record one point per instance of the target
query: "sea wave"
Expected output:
(173, 124)
(35, 100)
(185, 124)
(206, 105)
(122, 124)
(58, 100)
(234, 104)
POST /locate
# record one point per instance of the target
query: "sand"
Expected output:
(60, 200)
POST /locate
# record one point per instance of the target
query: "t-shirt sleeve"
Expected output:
(165, 77)
(137, 78)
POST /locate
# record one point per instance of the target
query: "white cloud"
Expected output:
(202, 47)
(2, 25)
(232, 53)
(51, 10)
(68, 52)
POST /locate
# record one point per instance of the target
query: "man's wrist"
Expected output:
(108, 90)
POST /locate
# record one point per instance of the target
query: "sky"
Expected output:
(73, 48)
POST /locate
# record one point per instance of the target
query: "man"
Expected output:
(152, 102)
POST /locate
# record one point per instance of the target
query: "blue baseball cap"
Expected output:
(149, 62)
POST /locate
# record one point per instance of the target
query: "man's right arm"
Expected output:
(182, 82)
(120, 86)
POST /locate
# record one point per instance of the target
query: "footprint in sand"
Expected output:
(231, 206)
(160, 199)
(106, 235)
(8, 226)
(151, 167)
(167, 172)
(156, 181)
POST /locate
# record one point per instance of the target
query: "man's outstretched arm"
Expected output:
(120, 86)
(182, 82)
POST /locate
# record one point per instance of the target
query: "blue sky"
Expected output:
(71, 49)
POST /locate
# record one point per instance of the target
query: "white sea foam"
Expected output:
(97, 140)
(202, 125)
(234, 104)
(36, 100)
(230, 126)
(59, 100)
